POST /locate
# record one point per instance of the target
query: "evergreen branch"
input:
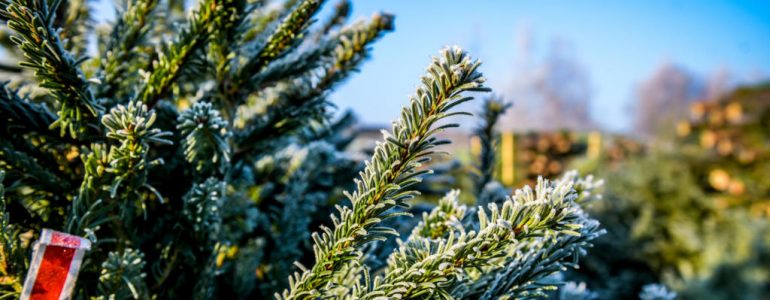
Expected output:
(232, 89)
(286, 35)
(128, 33)
(229, 24)
(428, 267)
(21, 115)
(338, 56)
(264, 20)
(10, 69)
(173, 60)
(13, 262)
(114, 175)
(492, 109)
(340, 132)
(205, 137)
(296, 214)
(354, 46)
(331, 54)
(22, 165)
(54, 67)
(384, 182)
(576, 291)
(526, 274)
(225, 40)
(656, 292)
(341, 14)
(122, 276)
(261, 21)
(77, 24)
(131, 126)
(292, 66)
(202, 208)
(445, 218)
(296, 99)
(95, 161)
(290, 110)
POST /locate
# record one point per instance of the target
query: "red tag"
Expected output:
(55, 264)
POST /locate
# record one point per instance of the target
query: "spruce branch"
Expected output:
(10, 69)
(202, 208)
(234, 81)
(492, 108)
(299, 203)
(337, 56)
(225, 42)
(127, 34)
(131, 126)
(115, 175)
(288, 33)
(338, 50)
(77, 23)
(441, 221)
(576, 291)
(13, 262)
(122, 276)
(341, 14)
(264, 20)
(205, 137)
(303, 97)
(175, 57)
(22, 165)
(656, 292)
(22, 116)
(426, 267)
(55, 68)
(384, 182)
(95, 160)
(526, 275)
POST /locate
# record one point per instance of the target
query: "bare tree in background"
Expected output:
(550, 92)
(666, 95)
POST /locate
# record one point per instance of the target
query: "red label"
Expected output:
(52, 273)
(65, 240)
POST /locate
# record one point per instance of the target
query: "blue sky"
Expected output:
(619, 43)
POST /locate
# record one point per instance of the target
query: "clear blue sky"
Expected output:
(618, 42)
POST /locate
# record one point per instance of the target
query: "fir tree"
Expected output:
(199, 165)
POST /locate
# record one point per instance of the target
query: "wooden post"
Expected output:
(475, 146)
(594, 144)
(507, 158)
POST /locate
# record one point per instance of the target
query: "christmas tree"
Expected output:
(690, 210)
(201, 158)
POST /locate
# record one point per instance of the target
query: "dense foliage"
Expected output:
(199, 153)
(691, 210)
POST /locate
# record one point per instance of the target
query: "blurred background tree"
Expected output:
(691, 210)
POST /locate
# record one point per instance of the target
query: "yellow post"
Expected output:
(507, 158)
(594, 144)
(475, 146)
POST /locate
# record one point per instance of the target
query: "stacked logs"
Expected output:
(729, 142)
(546, 154)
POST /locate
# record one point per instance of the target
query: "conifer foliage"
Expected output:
(200, 156)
